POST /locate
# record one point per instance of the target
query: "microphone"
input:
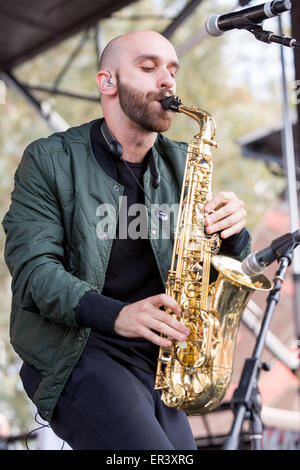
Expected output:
(216, 25)
(258, 262)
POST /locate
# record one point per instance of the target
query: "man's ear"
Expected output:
(106, 83)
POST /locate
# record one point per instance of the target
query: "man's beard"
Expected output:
(137, 107)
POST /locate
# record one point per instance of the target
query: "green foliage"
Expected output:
(204, 79)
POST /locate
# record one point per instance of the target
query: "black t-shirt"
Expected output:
(132, 272)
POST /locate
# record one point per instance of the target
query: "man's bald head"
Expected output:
(111, 54)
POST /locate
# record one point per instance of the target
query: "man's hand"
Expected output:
(140, 318)
(225, 213)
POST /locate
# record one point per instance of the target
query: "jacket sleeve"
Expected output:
(34, 249)
(237, 246)
(87, 312)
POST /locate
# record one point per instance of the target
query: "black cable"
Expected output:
(141, 186)
(137, 181)
(42, 426)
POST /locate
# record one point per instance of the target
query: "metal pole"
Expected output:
(71, 59)
(53, 119)
(289, 158)
(191, 42)
(54, 91)
(99, 42)
(277, 348)
(183, 15)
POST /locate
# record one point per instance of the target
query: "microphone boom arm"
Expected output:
(269, 37)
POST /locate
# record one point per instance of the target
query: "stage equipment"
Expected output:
(216, 25)
(257, 262)
(247, 402)
(249, 19)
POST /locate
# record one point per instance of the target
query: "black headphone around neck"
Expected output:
(116, 150)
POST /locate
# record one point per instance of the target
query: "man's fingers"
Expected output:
(166, 301)
(233, 230)
(225, 211)
(141, 318)
(219, 200)
(228, 222)
(155, 338)
(162, 322)
(172, 322)
(167, 325)
(150, 324)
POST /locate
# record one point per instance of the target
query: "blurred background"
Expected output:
(234, 77)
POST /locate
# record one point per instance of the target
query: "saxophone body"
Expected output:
(194, 375)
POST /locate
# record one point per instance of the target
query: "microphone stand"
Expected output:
(247, 402)
(266, 36)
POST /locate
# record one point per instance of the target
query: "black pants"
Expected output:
(107, 406)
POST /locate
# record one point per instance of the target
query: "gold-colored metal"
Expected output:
(194, 375)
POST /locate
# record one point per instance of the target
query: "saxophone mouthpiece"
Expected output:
(171, 102)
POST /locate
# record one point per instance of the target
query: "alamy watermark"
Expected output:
(2, 92)
(136, 221)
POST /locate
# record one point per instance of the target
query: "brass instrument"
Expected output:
(195, 374)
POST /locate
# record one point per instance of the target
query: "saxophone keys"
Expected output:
(165, 359)
(181, 344)
(213, 143)
(201, 381)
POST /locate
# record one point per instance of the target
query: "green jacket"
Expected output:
(55, 255)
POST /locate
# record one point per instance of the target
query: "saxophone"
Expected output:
(194, 375)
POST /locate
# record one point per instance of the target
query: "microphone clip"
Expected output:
(269, 37)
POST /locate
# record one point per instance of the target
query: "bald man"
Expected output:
(88, 270)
